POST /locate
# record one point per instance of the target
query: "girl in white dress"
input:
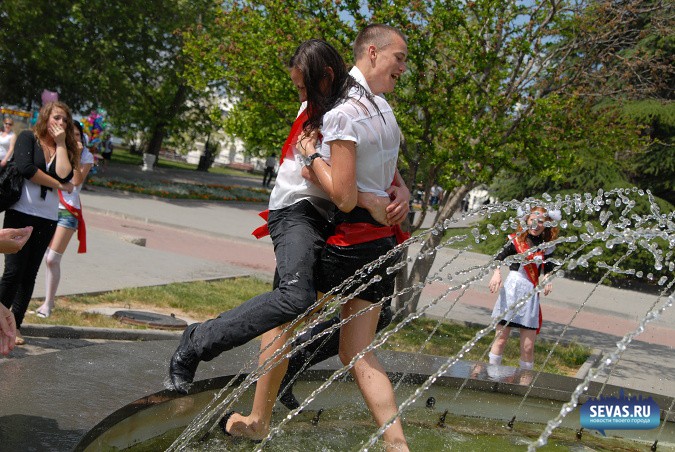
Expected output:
(521, 283)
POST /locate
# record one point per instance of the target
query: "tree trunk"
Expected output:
(421, 267)
(156, 140)
(158, 132)
(206, 160)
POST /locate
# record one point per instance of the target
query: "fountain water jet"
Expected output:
(637, 232)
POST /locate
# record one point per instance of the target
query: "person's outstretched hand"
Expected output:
(12, 240)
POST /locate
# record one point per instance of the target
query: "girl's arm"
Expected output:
(496, 280)
(44, 179)
(80, 175)
(338, 179)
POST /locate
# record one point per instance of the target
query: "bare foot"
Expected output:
(19, 340)
(240, 426)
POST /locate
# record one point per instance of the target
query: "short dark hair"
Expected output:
(378, 35)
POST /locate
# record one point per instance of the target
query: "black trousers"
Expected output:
(21, 269)
(267, 176)
(298, 233)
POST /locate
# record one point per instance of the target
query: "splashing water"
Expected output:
(604, 221)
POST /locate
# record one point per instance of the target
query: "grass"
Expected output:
(204, 300)
(123, 156)
(200, 300)
(448, 339)
(179, 190)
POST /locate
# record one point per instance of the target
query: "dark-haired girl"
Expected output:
(361, 136)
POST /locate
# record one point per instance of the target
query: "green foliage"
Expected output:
(40, 49)
(125, 56)
(446, 339)
(655, 167)
(204, 297)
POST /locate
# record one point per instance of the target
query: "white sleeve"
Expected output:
(338, 125)
(86, 157)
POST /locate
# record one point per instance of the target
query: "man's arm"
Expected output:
(391, 211)
(398, 209)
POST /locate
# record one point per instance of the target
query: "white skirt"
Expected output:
(518, 287)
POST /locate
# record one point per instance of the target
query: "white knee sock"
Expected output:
(526, 366)
(495, 359)
(53, 261)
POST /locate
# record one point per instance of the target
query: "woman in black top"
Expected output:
(45, 156)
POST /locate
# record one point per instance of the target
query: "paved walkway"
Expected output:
(195, 240)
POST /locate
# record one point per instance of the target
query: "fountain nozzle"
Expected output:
(580, 432)
(315, 420)
(653, 449)
(511, 422)
(431, 402)
(441, 421)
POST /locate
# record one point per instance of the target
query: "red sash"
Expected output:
(81, 227)
(262, 231)
(296, 130)
(531, 270)
(286, 151)
(354, 233)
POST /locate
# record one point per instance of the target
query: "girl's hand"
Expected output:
(67, 187)
(307, 142)
(495, 281)
(548, 288)
(59, 134)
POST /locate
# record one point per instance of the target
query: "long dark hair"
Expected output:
(312, 57)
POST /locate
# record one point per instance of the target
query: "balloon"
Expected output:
(49, 96)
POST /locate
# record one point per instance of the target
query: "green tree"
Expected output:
(40, 49)
(139, 48)
(128, 57)
(483, 76)
(625, 60)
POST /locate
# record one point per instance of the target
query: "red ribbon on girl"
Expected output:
(81, 228)
(532, 270)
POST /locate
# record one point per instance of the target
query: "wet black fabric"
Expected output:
(299, 233)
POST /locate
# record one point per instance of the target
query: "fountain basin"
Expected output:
(338, 420)
(66, 400)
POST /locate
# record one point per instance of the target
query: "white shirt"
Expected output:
(74, 198)
(376, 135)
(289, 186)
(4, 144)
(32, 204)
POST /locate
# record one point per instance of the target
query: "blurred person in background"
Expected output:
(7, 138)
